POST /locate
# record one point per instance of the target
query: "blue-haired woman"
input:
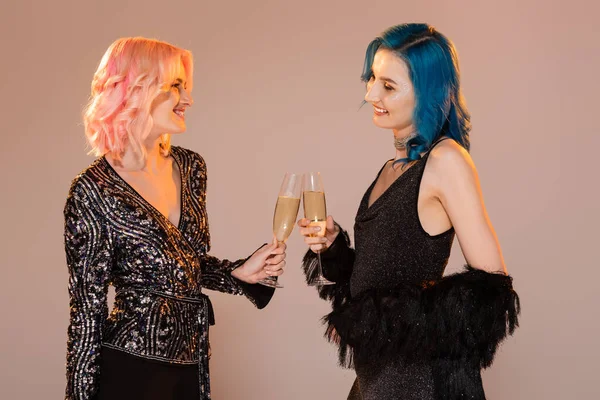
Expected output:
(408, 331)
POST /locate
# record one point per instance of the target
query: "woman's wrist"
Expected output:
(239, 273)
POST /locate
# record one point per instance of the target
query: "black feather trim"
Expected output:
(337, 262)
(464, 316)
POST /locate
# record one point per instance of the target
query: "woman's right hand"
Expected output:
(321, 242)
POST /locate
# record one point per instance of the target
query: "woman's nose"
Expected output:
(186, 98)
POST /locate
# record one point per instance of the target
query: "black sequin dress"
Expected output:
(409, 332)
(161, 315)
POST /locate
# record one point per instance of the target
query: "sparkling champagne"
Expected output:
(284, 218)
(286, 211)
(315, 210)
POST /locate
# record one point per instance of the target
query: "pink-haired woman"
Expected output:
(136, 219)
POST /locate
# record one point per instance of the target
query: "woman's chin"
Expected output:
(382, 124)
(180, 128)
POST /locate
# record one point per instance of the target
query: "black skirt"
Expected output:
(128, 377)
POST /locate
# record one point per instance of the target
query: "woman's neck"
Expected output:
(153, 164)
(401, 136)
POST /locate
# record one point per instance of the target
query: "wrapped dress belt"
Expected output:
(206, 317)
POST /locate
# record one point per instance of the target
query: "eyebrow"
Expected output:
(383, 78)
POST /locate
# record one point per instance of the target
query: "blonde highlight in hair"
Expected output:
(131, 74)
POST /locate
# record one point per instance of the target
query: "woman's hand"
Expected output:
(269, 260)
(323, 240)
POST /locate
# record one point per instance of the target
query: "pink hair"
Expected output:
(132, 72)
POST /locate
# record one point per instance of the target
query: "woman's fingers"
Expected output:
(315, 240)
(276, 269)
(266, 250)
(303, 222)
(279, 272)
(276, 259)
(318, 247)
(280, 249)
(310, 230)
(330, 224)
(316, 243)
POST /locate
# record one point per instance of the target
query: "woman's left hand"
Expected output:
(269, 260)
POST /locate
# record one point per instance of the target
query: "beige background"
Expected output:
(277, 89)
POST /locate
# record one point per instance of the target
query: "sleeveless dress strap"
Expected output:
(435, 144)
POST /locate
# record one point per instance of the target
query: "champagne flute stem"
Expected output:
(320, 265)
(320, 279)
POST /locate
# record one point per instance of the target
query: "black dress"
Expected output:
(154, 343)
(409, 332)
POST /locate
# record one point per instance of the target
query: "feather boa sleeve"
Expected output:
(337, 262)
(463, 316)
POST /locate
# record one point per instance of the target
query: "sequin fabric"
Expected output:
(392, 247)
(113, 236)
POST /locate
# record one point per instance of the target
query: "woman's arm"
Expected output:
(89, 255)
(240, 277)
(235, 277)
(457, 187)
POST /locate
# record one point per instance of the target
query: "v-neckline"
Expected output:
(367, 207)
(149, 205)
(389, 188)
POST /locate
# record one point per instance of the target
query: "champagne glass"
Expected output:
(315, 211)
(286, 213)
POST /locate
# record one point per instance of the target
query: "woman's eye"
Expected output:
(388, 87)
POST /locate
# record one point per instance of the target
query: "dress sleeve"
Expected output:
(462, 316)
(337, 262)
(216, 275)
(89, 256)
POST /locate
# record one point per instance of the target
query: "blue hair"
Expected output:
(432, 61)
